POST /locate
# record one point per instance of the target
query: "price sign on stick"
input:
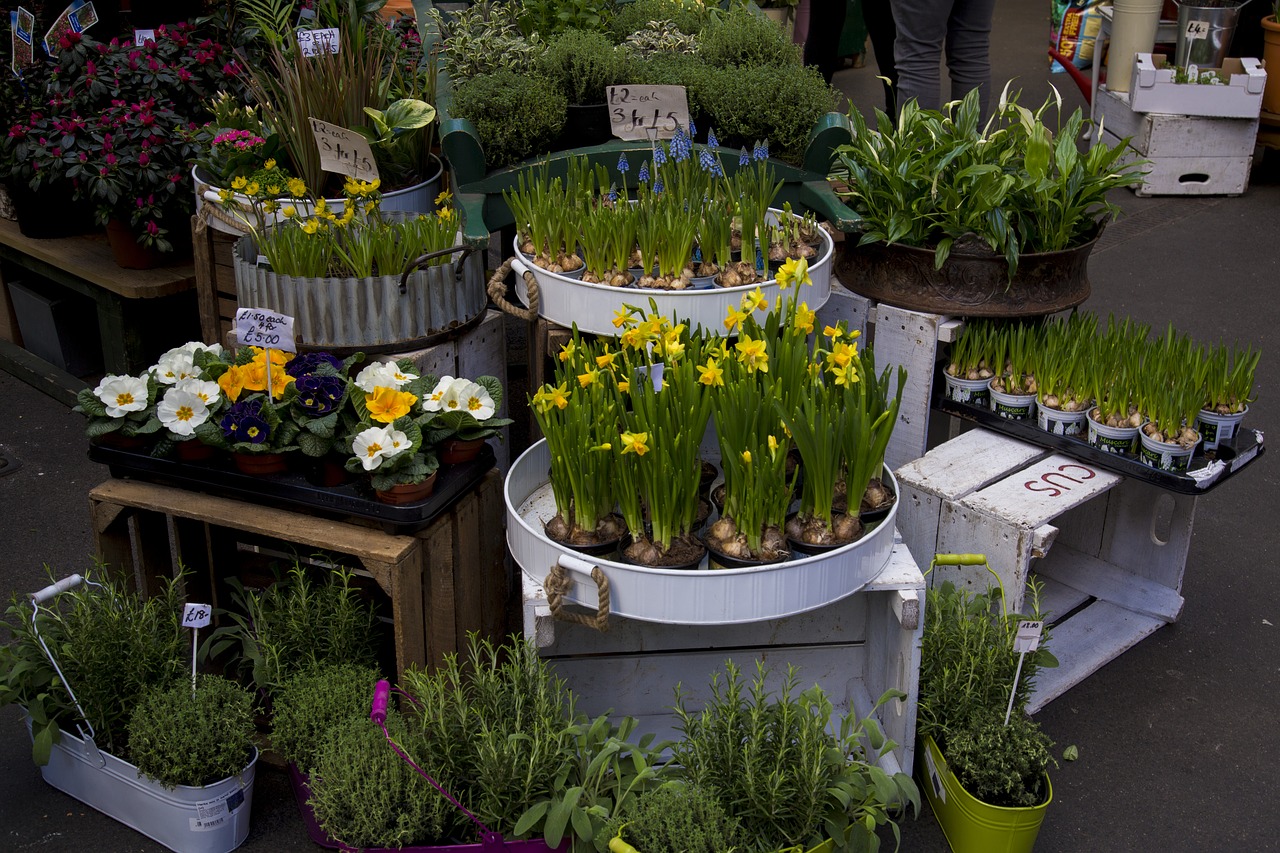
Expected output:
(1197, 30)
(195, 617)
(141, 37)
(344, 151)
(647, 112)
(258, 327)
(1027, 639)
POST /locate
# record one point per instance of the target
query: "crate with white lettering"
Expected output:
(855, 649)
(1109, 550)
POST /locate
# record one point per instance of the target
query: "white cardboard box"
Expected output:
(1153, 89)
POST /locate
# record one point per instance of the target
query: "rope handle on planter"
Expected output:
(497, 290)
(557, 586)
(378, 713)
(422, 259)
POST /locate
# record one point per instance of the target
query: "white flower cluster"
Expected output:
(452, 395)
(186, 401)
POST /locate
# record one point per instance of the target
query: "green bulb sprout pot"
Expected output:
(970, 825)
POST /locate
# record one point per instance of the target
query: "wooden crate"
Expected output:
(450, 578)
(1188, 155)
(215, 280)
(855, 649)
(1110, 551)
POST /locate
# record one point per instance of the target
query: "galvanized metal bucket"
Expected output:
(387, 313)
(1205, 30)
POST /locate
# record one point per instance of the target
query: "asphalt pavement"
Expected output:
(1177, 737)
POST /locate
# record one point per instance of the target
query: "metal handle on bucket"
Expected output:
(38, 598)
(422, 259)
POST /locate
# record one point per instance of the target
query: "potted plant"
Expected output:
(1062, 388)
(871, 414)
(256, 428)
(115, 720)
(318, 408)
(1170, 393)
(1228, 379)
(120, 410)
(1116, 364)
(387, 441)
(985, 765)
(1016, 350)
(786, 766)
(970, 364)
(1005, 213)
(583, 64)
(311, 702)
(464, 416)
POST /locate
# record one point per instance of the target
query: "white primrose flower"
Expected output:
(476, 401)
(208, 392)
(382, 375)
(122, 394)
(181, 411)
(375, 444)
(173, 367)
(433, 401)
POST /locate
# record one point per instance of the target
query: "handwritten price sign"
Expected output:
(316, 42)
(344, 151)
(196, 615)
(1197, 30)
(636, 111)
(258, 327)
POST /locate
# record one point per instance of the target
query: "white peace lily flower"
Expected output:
(382, 375)
(181, 411)
(174, 367)
(373, 445)
(477, 401)
(433, 400)
(208, 392)
(122, 394)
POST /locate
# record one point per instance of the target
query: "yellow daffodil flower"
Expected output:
(711, 373)
(754, 301)
(746, 457)
(568, 351)
(773, 446)
(794, 271)
(733, 317)
(444, 198)
(635, 442)
(752, 354)
(605, 359)
(833, 332)
(622, 318)
(804, 318)
(586, 380)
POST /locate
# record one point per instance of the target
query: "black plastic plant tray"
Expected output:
(292, 490)
(1237, 453)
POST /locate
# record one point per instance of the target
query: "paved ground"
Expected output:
(1177, 738)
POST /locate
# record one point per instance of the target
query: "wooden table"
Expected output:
(85, 265)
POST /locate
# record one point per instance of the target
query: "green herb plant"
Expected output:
(677, 816)
(293, 625)
(178, 736)
(1003, 765)
(786, 766)
(312, 702)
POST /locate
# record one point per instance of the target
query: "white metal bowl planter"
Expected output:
(386, 313)
(592, 307)
(207, 819)
(700, 597)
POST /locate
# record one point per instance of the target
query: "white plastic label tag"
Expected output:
(1028, 637)
(141, 37)
(934, 778)
(316, 42)
(196, 615)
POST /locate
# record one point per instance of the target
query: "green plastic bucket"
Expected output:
(970, 825)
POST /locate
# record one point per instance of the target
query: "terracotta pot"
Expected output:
(455, 451)
(193, 450)
(1271, 56)
(259, 464)
(407, 493)
(327, 473)
(121, 442)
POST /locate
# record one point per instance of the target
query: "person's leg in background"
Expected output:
(822, 41)
(969, 50)
(801, 28)
(917, 49)
(878, 17)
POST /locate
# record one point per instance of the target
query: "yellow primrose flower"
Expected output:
(733, 317)
(387, 404)
(805, 318)
(232, 382)
(635, 442)
(278, 356)
(297, 187)
(269, 165)
(568, 351)
(586, 380)
(239, 182)
(711, 373)
(752, 355)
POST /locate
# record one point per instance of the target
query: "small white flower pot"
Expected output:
(974, 392)
(1120, 440)
(1215, 428)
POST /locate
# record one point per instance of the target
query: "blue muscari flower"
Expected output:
(623, 165)
(717, 170)
(657, 185)
(644, 172)
(761, 151)
(613, 193)
(680, 146)
(693, 128)
(706, 160)
(711, 139)
(659, 156)
(743, 157)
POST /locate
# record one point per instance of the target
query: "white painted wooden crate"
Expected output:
(855, 649)
(1109, 550)
(1189, 155)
